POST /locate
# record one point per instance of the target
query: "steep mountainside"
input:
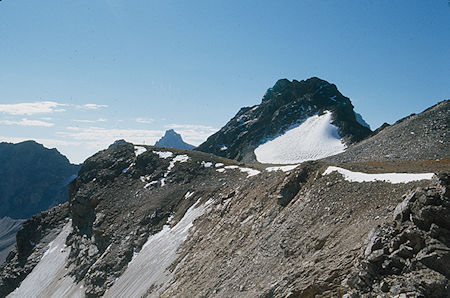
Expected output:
(33, 178)
(424, 136)
(173, 140)
(157, 222)
(8, 230)
(284, 107)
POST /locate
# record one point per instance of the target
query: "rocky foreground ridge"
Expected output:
(258, 232)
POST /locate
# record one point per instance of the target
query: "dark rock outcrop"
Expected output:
(286, 104)
(410, 255)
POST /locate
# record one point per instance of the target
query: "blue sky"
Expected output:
(77, 75)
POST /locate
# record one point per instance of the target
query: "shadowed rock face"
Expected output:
(34, 178)
(8, 230)
(284, 105)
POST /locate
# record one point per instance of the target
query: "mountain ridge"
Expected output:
(284, 105)
(34, 178)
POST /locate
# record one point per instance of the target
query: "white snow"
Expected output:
(219, 164)
(188, 195)
(163, 154)
(154, 182)
(223, 148)
(386, 177)
(231, 167)
(148, 268)
(281, 168)
(138, 150)
(49, 278)
(206, 164)
(178, 158)
(313, 139)
(249, 171)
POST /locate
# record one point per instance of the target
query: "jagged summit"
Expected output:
(173, 140)
(285, 106)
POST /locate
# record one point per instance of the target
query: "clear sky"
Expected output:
(76, 75)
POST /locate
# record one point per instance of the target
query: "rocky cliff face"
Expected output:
(34, 178)
(173, 140)
(283, 106)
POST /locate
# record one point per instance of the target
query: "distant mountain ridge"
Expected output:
(34, 178)
(173, 140)
(286, 104)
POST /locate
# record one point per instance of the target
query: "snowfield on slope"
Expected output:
(385, 177)
(147, 269)
(49, 278)
(315, 138)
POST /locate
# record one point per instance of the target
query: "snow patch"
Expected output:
(313, 139)
(231, 167)
(138, 150)
(148, 267)
(219, 164)
(178, 158)
(281, 168)
(223, 148)
(385, 177)
(250, 172)
(49, 278)
(163, 154)
(188, 195)
(207, 164)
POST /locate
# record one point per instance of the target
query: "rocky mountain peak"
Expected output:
(174, 140)
(286, 105)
